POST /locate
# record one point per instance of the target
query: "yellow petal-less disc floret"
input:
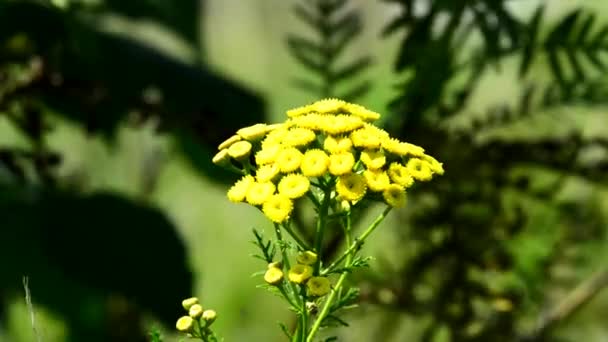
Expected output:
(278, 208)
(341, 163)
(362, 112)
(318, 286)
(327, 106)
(267, 154)
(239, 190)
(339, 124)
(373, 159)
(402, 148)
(195, 311)
(309, 121)
(400, 175)
(435, 166)
(314, 163)
(273, 275)
(294, 185)
(253, 133)
(275, 137)
(266, 173)
(366, 138)
(226, 143)
(221, 158)
(394, 195)
(299, 137)
(209, 316)
(299, 273)
(336, 145)
(295, 112)
(289, 159)
(188, 302)
(240, 149)
(306, 258)
(419, 169)
(184, 324)
(377, 180)
(258, 193)
(351, 187)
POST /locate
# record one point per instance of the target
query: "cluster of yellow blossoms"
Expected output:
(327, 142)
(300, 273)
(197, 320)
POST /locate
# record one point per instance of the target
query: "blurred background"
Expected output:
(110, 112)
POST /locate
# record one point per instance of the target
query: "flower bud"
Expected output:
(275, 264)
(184, 324)
(209, 316)
(273, 276)
(195, 311)
(187, 303)
(306, 258)
(299, 274)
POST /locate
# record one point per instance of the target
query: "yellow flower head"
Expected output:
(289, 159)
(306, 258)
(366, 138)
(299, 137)
(184, 324)
(299, 273)
(339, 124)
(310, 121)
(267, 154)
(275, 137)
(226, 143)
(318, 286)
(327, 106)
(341, 163)
(394, 195)
(266, 173)
(277, 208)
(240, 149)
(258, 193)
(337, 145)
(402, 148)
(314, 163)
(373, 159)
(273, 276)
(351, 187)
(400, 175)
(362, 112)
(377, 180)
(195, 311)
(188, 302)
(435, 166)
(294, 185)
(209, 316)
(221, 158)
(419, 169)
(292, 113)
(253, 133)
(239, 190)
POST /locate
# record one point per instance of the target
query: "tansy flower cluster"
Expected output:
(330, 143)
(197, 321)
(300, 273)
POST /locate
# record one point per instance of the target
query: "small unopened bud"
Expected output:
(221, 158)
(273, 276)
(306, 258)
(344, 205)
(276, 264)
(209, 316)
(195, 311)
(187, 303)
(184, 324)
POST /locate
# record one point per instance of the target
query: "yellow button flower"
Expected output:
(299, 273)
(289, 159)
(365, 138)
(188, 302)
(273, 276)
(337, 145)
(299, 137)
(274, 137)
(221, 158)
(400, 175)
(373, 159)
(306, 258)
(314, 163)
(310, 121)
(294, 185)
(351, 187)
(209, 316)
(239, 190)
(240, 149)
(318, 286)
(362, 112)
(295, 112)
(253, 133)
(436, 166)
(258, 193)
(402, 148)
(341, 163)
(394, 195)
(419, 169)
(226, 143)
(377, 180)
(267, 154)
(278, 208)
(266, 173)
(184, 324)
(195, 311)
(327, 106)
(339, 124)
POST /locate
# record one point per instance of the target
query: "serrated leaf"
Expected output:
(305, 15)
(352, 69)
(306, 52)
(563, 29)
(306, 85)
(531, 40)
(357, 92)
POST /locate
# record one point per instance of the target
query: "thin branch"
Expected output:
(30, 308)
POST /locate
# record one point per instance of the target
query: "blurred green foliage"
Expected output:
(492, 251)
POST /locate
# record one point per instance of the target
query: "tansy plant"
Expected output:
(331, 154)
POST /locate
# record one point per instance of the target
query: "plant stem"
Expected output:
(296, 238)
(321, 223)
(358, 241)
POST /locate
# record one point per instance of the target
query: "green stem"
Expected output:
(303, 244)
(358, 241)
(287, 265)
(321, 223)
